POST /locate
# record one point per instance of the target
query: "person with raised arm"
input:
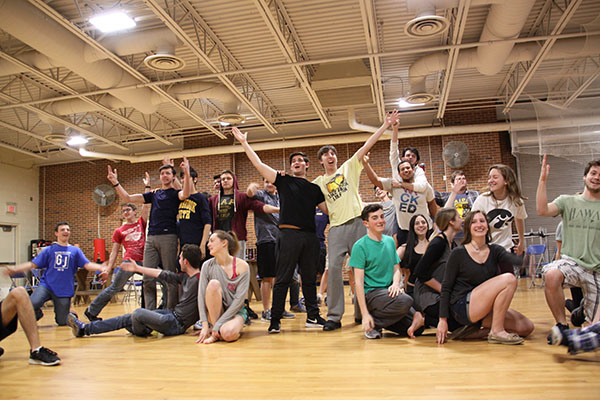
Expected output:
(161, 242)
(340, 188)
(297, 243)
(223, 286)
(579, 263)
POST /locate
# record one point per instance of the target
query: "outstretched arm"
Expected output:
(126, 197)
(375, 180)
(146, 207)
(394, 155)
(187, 184)
(114, 252)
(130, 266)
(267, 172)
(390, 119)
(252, 189)
(541, 196)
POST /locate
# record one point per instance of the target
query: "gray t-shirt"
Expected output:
(389, 213)
(186, 311)
(266, 225)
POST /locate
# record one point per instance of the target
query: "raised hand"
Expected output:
(185, 165)
(392, 118)
(168, 161)
(545, 170)
(241, 137)
(146, 179)
(366, 158)
(112, 175)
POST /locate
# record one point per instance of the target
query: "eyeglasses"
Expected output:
(123, 211)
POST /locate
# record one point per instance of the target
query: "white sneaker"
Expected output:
(373, 334)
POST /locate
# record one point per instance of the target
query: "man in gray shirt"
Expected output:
(142, 321)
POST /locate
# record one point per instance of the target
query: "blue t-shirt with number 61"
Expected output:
(61, 263)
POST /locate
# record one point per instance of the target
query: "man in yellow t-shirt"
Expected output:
(340, 188)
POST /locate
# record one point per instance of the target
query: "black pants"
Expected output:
(295, 247)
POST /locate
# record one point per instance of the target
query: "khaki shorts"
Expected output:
(578, 276)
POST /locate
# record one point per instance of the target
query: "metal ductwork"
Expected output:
(469, 58)
(505, 20)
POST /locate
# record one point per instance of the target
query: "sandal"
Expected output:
(512, 338)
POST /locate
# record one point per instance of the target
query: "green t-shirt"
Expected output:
(341, 191)
(581, 229)
(377, 259)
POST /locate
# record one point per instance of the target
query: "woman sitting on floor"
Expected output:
(474, 293)
(222, 288)
(411, 252)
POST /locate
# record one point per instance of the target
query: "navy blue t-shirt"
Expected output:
(163, 215)
(321, 221)
(193, 214)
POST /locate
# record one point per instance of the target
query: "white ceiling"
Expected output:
(270, 53)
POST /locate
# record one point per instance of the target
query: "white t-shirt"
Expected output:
(409, 203)
(501, 214)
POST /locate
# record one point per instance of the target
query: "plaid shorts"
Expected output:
(578, 276)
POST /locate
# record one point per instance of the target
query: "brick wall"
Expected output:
(66, 190)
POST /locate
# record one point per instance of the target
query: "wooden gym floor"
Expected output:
(298, 363)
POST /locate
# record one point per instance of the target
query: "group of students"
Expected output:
(403, 283)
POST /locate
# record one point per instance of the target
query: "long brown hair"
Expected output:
(467, 227)
(444, 216)
(232, 241)
(512, 185)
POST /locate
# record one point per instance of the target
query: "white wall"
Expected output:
(20, 186)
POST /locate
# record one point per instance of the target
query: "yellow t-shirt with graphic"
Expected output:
(341, 191)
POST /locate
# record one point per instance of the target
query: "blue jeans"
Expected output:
(117, 284)
(141, 323)
(62, 305)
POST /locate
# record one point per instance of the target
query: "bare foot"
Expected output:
(417, 322)
(210, 339)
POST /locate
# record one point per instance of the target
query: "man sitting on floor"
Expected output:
(17, 306)
(378, 279)
(142, 321)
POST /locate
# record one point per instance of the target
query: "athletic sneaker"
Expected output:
(91, 317)
(197, 326)
(578, 316)
(43, 356)
(266, 315)
(558, 326)
(298, 308)
(288, 315)
(275, 327)
(332, 325)
(557, 338)
(251, 313)
(316, 322)
(373, 334)
(76, 325)
(319, 299)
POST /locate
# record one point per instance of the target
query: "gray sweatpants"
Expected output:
(386, 310)
(340, 241)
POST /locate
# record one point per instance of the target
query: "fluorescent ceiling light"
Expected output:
(405, 104)
(77, 141)
(112, 21)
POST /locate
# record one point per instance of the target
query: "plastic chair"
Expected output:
(537, 261)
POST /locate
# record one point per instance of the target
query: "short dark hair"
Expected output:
(593, 163)
(130, 205)
(370, 208)
(455, 174)
(193, 173)
(325, 149)
(192, 253)
(412, 149)
(217, 176)
(405, 160)
(61, 224)
(168, 166)
(299, 153)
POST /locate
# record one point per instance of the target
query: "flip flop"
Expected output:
(512, 338)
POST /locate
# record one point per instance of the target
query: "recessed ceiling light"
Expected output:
(112, 22)
(77, 141)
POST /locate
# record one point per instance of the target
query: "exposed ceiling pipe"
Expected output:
(347, 138)
(504, 21)
(160, 40)
(76, 106)
(469, 58)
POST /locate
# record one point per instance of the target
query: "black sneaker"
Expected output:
(274, 327)
(558, 326)
(43, 356)
(76, 325)
(316, 322)
(557, 338)
(1, 351)
(91, 317)
(251, 313)
(578, 316)
(332, 325)
(570, 305)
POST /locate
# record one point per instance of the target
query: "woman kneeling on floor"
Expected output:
(473, 291)
(222, 288)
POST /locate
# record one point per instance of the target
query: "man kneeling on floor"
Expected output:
(378, 279)
(142, 321)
